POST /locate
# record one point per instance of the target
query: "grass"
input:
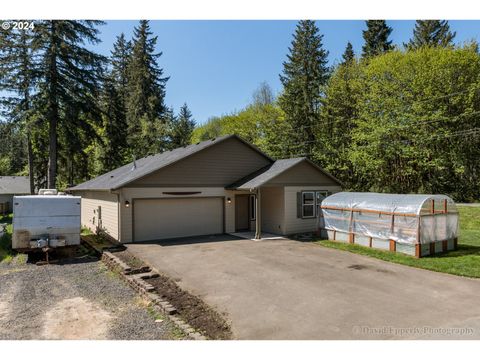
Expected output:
(465, 261)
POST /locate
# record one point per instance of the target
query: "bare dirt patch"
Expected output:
(76, 319)
(130, 260)
(77, 299)
(190, 308)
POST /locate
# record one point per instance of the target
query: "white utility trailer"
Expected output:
(45, 221)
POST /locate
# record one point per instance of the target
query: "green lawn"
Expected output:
(465, 261)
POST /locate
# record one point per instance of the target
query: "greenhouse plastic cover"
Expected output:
(433, 227)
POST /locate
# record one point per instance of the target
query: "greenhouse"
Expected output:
(417, 225)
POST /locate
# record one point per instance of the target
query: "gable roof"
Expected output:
(14, 185)
(263, 176)
(126, 174)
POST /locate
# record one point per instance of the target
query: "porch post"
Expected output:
(258, 218)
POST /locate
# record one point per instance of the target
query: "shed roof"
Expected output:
(395, 203)
(14, 185)
(264, 175)
(126, 174)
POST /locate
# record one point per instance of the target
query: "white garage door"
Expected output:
(173, 218)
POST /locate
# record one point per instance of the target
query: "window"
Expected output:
(252, 207)
(311, 202)
(308, 204)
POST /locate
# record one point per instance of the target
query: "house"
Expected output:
(10, 186)
(223, 185)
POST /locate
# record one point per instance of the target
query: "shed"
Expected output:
(10, 186)
(414, 224)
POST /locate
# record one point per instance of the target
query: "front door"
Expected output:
(241, 213)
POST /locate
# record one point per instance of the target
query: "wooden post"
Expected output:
(370, 241)
(418, 247)
(393, 245)
(334, 235)
(350, 228)
(258, 213)
(444, 245)
(433, 207)
(445, 206)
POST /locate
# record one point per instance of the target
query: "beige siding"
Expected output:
(294, 225)
(128, 194)
(302, 174)
(217, 166)
(273, 210)
(91, 200)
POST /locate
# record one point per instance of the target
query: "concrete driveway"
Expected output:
(284, 289)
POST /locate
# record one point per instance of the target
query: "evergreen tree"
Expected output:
(349, 55)
(431, 33)
(376, 38)
(120, 56)
(17, 75)
(68, 87)
(304, 74)
(113, 149)
(146, 92)
(113, 152)
(182, 127)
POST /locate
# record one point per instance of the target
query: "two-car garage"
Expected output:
(165, 218)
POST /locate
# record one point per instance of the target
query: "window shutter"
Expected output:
(299, 204)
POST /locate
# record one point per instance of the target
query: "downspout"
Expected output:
(258, 213)
(119, 215)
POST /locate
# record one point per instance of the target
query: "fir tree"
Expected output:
(376, 38)
(68, 86)
(119, 58)
(349, 55)
(146, 93)
(182, 127)
(113, 152)
(431, 33)
(304, 74)
(17, 74)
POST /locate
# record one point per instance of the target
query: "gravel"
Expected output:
(31, 296)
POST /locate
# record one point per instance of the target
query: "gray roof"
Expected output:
(269, 172)
(126, 174)
(14, 185)
(262, 176)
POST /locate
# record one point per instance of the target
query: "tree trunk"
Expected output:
(53, 110)
(52, 157)
(30, 162)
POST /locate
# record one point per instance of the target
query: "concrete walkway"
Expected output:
(284, 289)
(250, 235)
